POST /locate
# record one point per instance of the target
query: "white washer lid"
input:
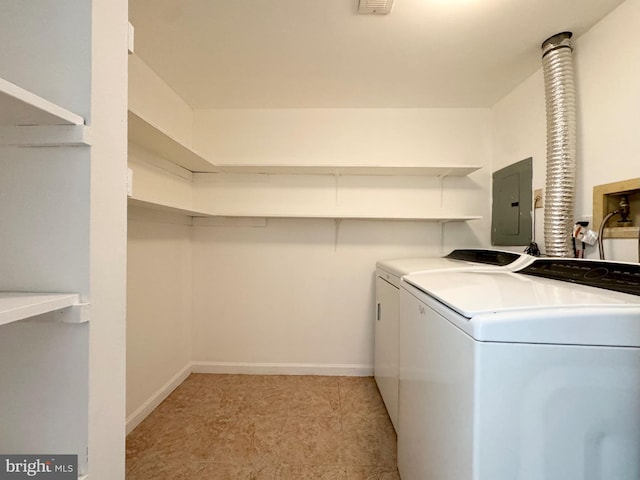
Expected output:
(510, 307)
(405, 266)
(482, 257)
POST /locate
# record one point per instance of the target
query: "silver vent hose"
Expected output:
(557, 63)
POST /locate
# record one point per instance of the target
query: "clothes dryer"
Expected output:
(388, 275)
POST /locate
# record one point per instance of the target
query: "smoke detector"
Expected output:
(377, 7)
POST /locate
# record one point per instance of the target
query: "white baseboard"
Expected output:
(156, 399)
(349, 370)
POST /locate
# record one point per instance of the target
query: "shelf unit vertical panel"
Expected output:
(108, 242)
(44, 399)
(44, 204)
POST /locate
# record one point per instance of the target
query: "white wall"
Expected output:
(360, 136)
(299, 294)
(158, 307)
(159, 276)
(285, 294)
(607, 79)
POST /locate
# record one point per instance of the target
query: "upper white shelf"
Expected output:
(162, 144)
(16, 306)
(20, 107)
(435, 170)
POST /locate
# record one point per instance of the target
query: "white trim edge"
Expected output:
(349, 370)
(156, 399)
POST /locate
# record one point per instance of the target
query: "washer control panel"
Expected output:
(617, 276)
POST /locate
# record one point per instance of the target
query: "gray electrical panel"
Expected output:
(512, 204)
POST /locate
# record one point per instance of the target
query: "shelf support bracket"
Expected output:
(441, 186)
(336, 233)
(442, 236)
(75, 314)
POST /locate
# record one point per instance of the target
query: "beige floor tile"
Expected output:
(214, 401)
(252, 427)
(302, 380)
(368, 440)
(223, 439)
(298, 440)
(226, 380)
(361, 395)
(372, 473)
(157, 465)
(182, 398)
(143, 437)
(292, 400)
(232, 471)
(311, 472)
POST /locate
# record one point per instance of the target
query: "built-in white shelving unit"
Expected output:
(48, 87)
(161, 144)
(30, 120)
(15, 306)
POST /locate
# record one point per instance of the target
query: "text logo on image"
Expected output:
(50, 467)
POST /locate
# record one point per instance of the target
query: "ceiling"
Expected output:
(323, 54)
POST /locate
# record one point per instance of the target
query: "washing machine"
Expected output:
(533, 375)
(388, 275)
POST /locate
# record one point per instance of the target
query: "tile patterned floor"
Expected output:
(250, 427)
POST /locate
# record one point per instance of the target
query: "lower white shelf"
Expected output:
(202, 216)
(15, 306)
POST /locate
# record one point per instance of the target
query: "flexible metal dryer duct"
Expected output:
(557, 63)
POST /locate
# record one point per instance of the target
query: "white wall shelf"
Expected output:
(165, 207)
(21, 107)
(15, 306)
(154, 139)
(340, 216)
(200, 216)
(376, 170)
(162, 144)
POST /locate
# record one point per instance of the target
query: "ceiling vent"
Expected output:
(377, 7)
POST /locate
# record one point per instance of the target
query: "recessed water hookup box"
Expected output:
(613, 196)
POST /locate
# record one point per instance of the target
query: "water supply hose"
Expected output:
(601, 232)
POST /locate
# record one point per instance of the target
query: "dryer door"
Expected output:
(386, 345)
